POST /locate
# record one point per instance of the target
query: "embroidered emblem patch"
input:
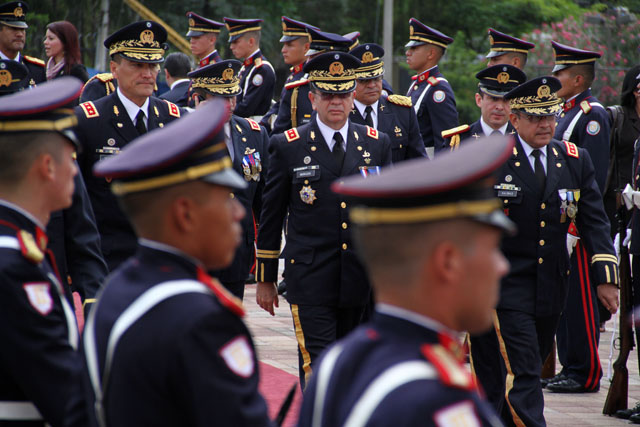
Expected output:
(39, 296)
(593, 128)
(257, 80)
(308, 194)
(238, 356)
(459, 414)
(439, 96)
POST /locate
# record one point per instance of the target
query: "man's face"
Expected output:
(293, 51)
(241, 47)
(333, 110)
(567, 80)
(485, 265)
(65, 170)
(202, 45)
(536, 131)
(495, 111)
(12, 39)
(369, 91)
(135, 79)
(417, 57)
(219, 230)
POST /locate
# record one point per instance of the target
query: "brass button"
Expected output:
(344, 226)
(543, 206)
(293, 261)
(306, 181)
(540, 260)
(343, 205)
(541, 242)
(542, 224)
(568, 272)
(344, 246)
(506, 201)
(400, 145)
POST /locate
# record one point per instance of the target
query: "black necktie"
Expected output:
(140, 127)
(539, 169)
(338, 151)
(368, 116)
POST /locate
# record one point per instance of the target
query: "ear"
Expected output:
(113, 65)
(515, 61)
(45, 167)
(183, 214)
(447, 262)
(312, 98)
(478, 100)
(166, 75)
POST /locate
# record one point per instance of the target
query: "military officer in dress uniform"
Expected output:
(326, 285)
(203, 35)
(585, 123)
(392, 114)
(165, 344)
(40, 368)
(431, 94)
(247, 143)
(434, 259)
(295, 44)
(493, 83)
(110, 123)
(295, 107)
(546, 187)
(13, 31)
(257, 77)
(506, 49)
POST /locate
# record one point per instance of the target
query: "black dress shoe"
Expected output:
(626, 413)
(557, 377)
(569, 385)
(635, 418)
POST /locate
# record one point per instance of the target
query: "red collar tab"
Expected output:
(226, 298)
(452, 345)
(248, 62)
(569, 105)
(204, 62)
(297, 68)
(421, 77)
(41, 238)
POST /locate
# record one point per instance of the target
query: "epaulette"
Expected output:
(433, 81)
(403, 101)
(257, 62)
(455, 131)
(103, 77)
(585, 106)
(292, 134)
(28, 247)
(297, 83)
(89, 109)
(372, 133)
(572, 149)
(174, 110)
(450, 372)
(33, 60)
(253, 124)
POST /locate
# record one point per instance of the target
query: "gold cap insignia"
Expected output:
(17, 12)
(491, 41)
(284, 27)
(336, 68)
(146, 36)
(367, 57)
(544, 91)
(192, 23)
(503, 78)
(5, 78)
(227, 74)
(411, 30)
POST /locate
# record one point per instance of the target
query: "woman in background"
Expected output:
(62, 47)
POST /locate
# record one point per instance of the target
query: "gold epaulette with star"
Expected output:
(297, 83)
(33, 60)
(454, 134)
(403, 101)
(29, 248)
(253, 125)
(292, 135)
(585, 106)
(433, 81)
(103, 77)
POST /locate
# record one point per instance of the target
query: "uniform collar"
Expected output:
(131, 107)
(177, 82)
(297, 69)
(413, 317)
(425, 74)
(24, 220)
(529, 149)
(361, 107)
(327, 132)
(250, 60)
(576, 99)
(207, 59)
(3, 56)
(163, 247)
(486, 129)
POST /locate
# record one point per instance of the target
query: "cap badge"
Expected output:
(503, 78)
(544, 91)
(5, 78)
(227, 74)
(336, 56)
(411, 30)
(491, 41)
(18, 12)
(148, 24)
(336, 68)
(192, 23)
(367, 57)
(308, 194)
(146, 36)
(284, 27)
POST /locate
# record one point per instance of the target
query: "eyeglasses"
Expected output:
(537, 119)
(367, 81)
(326, 96)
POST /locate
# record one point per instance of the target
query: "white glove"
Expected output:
(572, 241)
(627, 239)
(616, 245)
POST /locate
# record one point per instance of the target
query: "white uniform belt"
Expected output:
(631, 197)
(19, 411)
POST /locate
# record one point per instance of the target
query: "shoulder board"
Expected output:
(372, 133)
(404, 101)
(103, 77)
(585, 106)
(572, 149)
(28, 247)
(32, 60)
(450, 372)
(253, 124)
(455, 131)
(89, 109)
(433, 81)
(292, 134)
(258, 62)
(174, 110)
(297, 83)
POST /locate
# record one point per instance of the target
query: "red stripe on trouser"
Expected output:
(587, 311)
(255, 235)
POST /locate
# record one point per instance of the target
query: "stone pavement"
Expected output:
(276, 345)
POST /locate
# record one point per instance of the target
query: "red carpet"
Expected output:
(274, 386)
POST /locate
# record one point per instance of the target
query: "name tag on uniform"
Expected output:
(107, 151)
(507, 190)
(306, 171)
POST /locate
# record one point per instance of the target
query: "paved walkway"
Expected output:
(276, 345)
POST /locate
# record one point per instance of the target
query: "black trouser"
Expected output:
(236, 288)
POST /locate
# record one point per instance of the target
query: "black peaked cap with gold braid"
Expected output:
(45, 108)
(189, 149)
(333, 72)
(370, 56)
(142, 41)
(420, 34)
(457, 184)
(237, 27)
(14, 14)
(13, 76)
(199, 25)
(220, 79)
(502, 43)
(293, 30)
(537, 97)
(322, 42)
(500, 79)
(567, 56)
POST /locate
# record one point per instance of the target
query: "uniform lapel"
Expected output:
(385, 118)
(356, 117)
(352, 156)
(521, 166)
(237, 133)
(318, 148)
(120, 120)
(555, 167)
